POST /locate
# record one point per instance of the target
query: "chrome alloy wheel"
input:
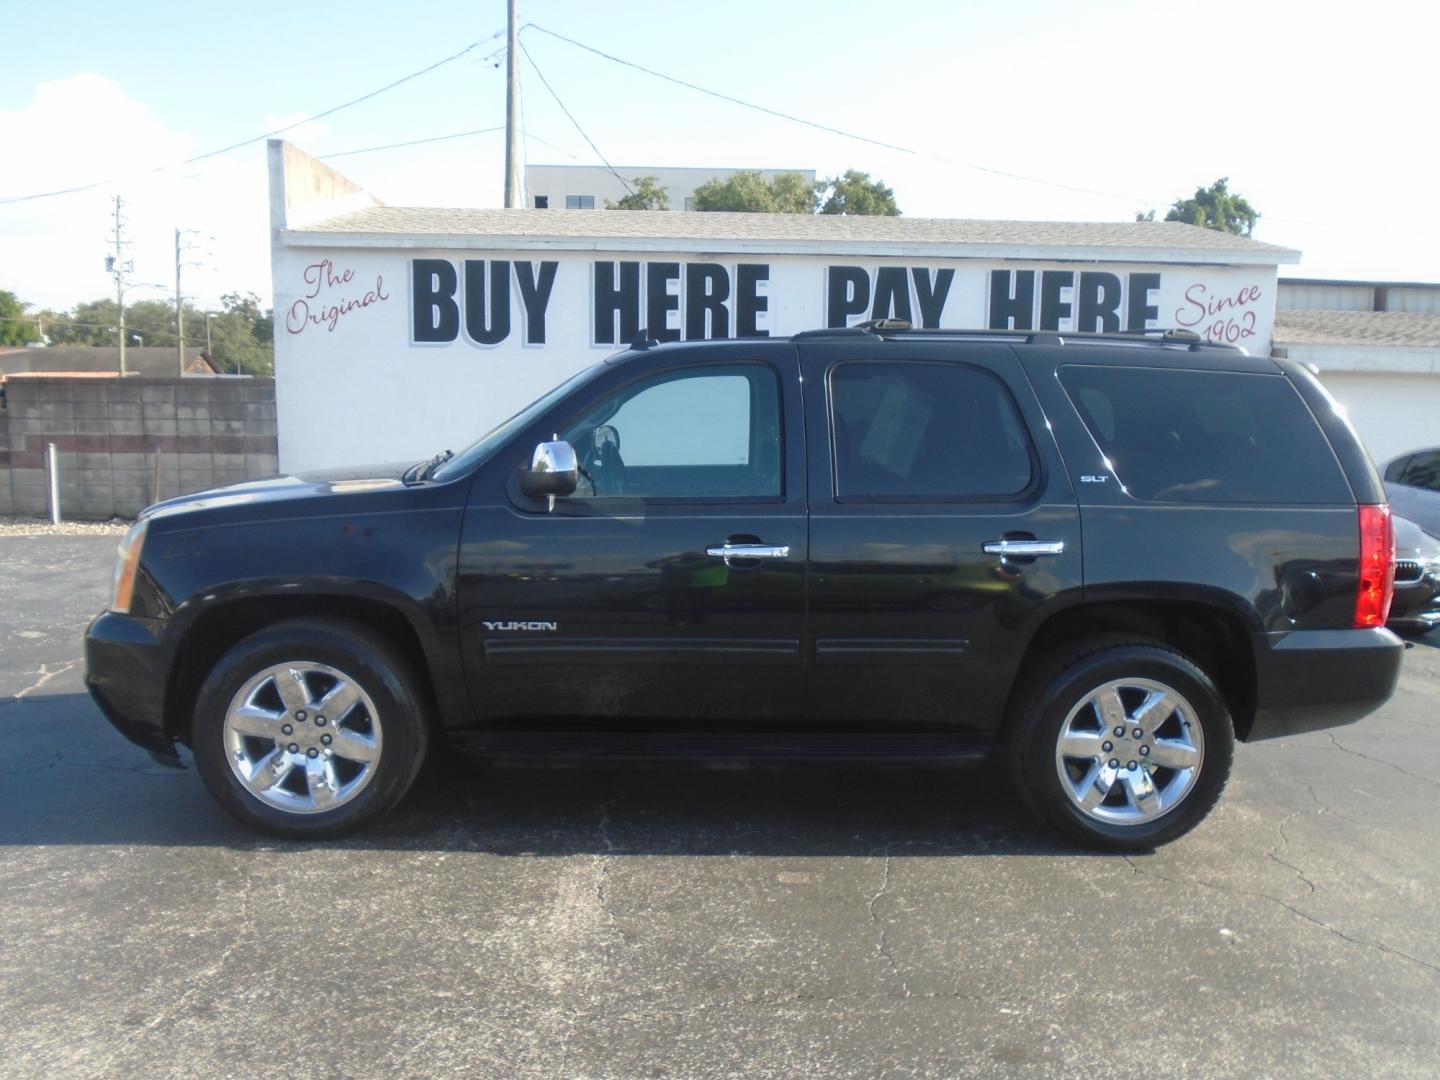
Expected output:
(302, 737)
(1130, 751)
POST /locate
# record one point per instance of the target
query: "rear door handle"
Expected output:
(1024, 548)
(728, 551)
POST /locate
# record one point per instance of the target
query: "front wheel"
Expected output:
(309, 728)
(1122, 746)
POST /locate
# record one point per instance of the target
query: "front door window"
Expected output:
(709, 434)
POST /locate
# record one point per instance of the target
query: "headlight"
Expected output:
(122, 584)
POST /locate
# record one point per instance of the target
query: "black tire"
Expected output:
(370, 663)
(1064, 683)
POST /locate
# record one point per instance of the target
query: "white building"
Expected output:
(1377, 347)
(401, 331)
(586, 187)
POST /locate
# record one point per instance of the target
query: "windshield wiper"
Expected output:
(418, 472)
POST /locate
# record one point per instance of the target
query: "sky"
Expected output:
(1321, 114)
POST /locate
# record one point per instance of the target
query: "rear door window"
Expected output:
(1206, 436)
(926, 431)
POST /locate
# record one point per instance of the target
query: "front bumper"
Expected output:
(1312, 679)
(126, 671)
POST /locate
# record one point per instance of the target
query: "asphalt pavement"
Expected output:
(802, 921)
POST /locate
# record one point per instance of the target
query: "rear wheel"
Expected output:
(309, 728)
(1122, 746)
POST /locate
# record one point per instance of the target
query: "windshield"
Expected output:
(487, 444)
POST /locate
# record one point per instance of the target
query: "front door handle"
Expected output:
(728, 551)
(1024, 548)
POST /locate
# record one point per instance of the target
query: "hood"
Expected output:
(303, 485)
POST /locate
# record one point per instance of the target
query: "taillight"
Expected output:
(1377, 566)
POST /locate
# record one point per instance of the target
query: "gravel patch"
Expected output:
(12, 526)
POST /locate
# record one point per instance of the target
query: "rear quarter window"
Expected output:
(1206, 436)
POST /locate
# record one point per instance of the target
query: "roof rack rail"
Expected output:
(881, 326)
(1159, 335)
(1164, 333)
(869, 326)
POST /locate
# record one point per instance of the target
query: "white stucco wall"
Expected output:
(1392, 413)
(357, 382)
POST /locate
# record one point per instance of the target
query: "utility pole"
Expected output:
(512, 110)
(117, 264)
(180, 247)
(179, 311)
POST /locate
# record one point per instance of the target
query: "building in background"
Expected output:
(586, 187)
(1377, 347)
(158, 361)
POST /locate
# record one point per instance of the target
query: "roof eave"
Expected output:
(738, 246)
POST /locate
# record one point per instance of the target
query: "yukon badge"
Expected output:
(533, 625)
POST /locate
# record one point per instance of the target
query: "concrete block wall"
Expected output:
(125, 443)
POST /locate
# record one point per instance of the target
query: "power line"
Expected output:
(827, 128)
(442, 138)
(413, 142)
(714, 93)
(258, 138)
(526, 132)
(573, 120)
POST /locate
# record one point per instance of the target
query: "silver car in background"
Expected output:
(1412, 483)
(1416, 607)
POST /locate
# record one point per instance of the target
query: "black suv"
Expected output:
(1106, 557)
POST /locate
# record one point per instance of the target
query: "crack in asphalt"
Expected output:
(1288, 906)
(1379, 761)
(141, 768)
(882, 944)
(198, 983)
(1274, 853)
(51, 764)
(602, 871)
(45, 675)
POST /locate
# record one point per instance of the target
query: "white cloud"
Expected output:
(85, 129)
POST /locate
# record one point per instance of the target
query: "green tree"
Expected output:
(648, 195)
(794, 194)
(16, 328)
(90, 323)
(856, 193)
(153, 321)
(747, 192)
(1216, 207)
(242, 335)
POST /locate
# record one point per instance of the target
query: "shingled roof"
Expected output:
(625, 229)
(1404, 329)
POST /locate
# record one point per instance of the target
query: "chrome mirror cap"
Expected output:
(553, 470)
(554, 457)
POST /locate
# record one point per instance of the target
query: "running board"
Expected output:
(670, 745)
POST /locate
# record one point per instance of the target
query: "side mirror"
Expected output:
(553, 471)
